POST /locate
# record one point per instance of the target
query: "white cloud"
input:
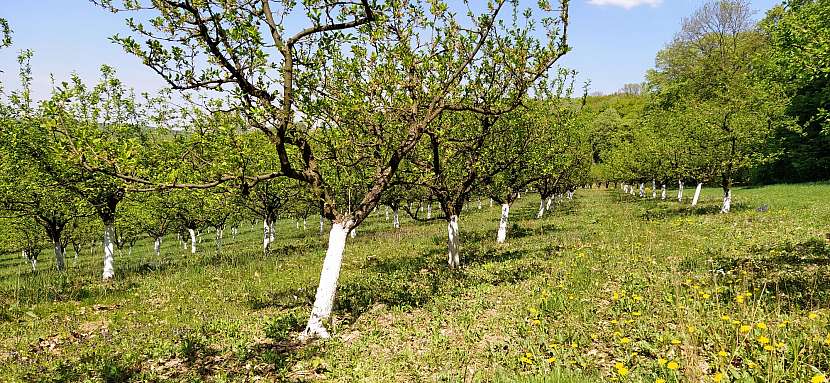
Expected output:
(627, 4)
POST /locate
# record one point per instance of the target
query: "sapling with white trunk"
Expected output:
(697, 194)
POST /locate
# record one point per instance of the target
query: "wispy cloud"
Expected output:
(627, 4)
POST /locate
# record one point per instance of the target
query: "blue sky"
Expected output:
(614, 41)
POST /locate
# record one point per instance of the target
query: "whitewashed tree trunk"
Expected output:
(541, 209)
(386, 211)
(60, 264)
(130, 251)
(453, 259)
(642, 190)
(23, 253)
(34, 264)
(109, 235)
(395, 222)
(548, 203)
(571, 195)
(663, 192)
(305, 224)
(697, 194)
(491, 202)
(272, 232)
(321, 224)
(502, 234)
(479, 203)
(157, 246)
(429, 211)
(353, 232)
(217, 239)
(653, 189)
(324, 299)
(680, 191)
(727, 201)
(192, 240)
(266, 235)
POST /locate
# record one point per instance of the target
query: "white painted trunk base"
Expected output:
(663, 192)
(192, 240)
(266, 235)
(642, 190)
(727, 201)
(502, 234)
(680, 191)
(395, 222)
(697, 194)
(324, 299)
(157, 246)
(453, 258)
(429, 211)
(541, 209)
(109, 249)
(653, 190)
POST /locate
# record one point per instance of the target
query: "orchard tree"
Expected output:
(375, 76)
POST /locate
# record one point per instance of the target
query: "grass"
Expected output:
(605, 288)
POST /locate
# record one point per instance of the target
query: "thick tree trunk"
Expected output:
(541, 208)
(324, 299)
(548, 203)
(727, 201)
(453, 258)
(109, 249)
(502, 234)
(157, 246)
(697, 194)
(192, 240)
(680, 191)
(60, 263)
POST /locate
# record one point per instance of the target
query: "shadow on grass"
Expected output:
(656, 211)
(796, 273)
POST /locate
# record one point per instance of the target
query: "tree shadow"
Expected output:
(657, 211)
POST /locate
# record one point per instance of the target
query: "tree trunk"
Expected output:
(59, 256)
(386, 211)
(305, 224)
(157, 246)
(653, 189)
(453, 258)
(217, 239)
(548, 203)
(727, 201)
(109, 235)
(192, 240)
(34, 263)
(642, 190)
(324, 299)
(663, 192)
(680, 191)
(353, 233)
(321, 224)
(697, 194)
(541, 208)
(502, 234)
(266, 235)
(479, 203)
(429, 211)
(395, 222)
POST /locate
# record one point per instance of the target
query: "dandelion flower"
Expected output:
(725, 317)
(761, 325)
(718, 377)
(812, 315)
(624, 340)
(763, 340)
(818, 378)
(675, 341)
(672, 365)
(660, 380)
(745, 329)
(621, 369)
(661, 361)
(723, 353)
(551, 360)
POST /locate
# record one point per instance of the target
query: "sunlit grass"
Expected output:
(607, 287)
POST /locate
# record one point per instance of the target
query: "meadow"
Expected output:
(607, 287)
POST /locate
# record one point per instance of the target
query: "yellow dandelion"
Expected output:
(769, 348)
(621, 369)
(672, 365)
(751, 365)
(625, 340)
(616, 296)
(739, 299)
(745, 329)
(818, 378)
(692, 329)
(525, 360)
(761, 325)
(614, 321)
(706, 296)
(550, 360)
(779, 344)
(675, 341)
(763, 340)
(812, 315)
(725, 317)
(723, 353)
(661, 361)
(636, 313)
(660, 380)
(718, 377)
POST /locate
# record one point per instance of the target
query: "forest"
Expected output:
(387, 190)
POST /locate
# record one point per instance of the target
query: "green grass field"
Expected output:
(605, 288)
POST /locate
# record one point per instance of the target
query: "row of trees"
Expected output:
(369, 104)
(729, 100)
